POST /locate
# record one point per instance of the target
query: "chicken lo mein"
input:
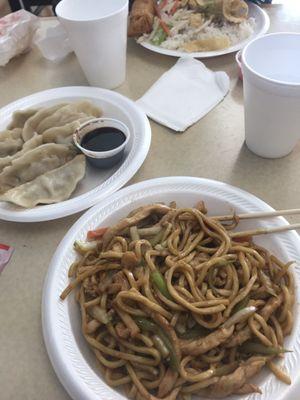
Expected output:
(172, 306)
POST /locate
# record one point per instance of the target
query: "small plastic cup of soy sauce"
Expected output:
(102, 141)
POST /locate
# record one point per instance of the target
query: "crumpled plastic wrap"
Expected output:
(16, 33)
(54, 44)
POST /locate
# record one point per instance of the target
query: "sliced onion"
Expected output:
(239, 316)
(161, 347)
(99, 314)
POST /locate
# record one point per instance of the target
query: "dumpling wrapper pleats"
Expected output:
(52, 187)
(35, 163)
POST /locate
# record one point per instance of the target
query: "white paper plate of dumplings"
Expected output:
(42, 176)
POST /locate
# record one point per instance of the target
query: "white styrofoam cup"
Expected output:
(271, 80)
(97, 31)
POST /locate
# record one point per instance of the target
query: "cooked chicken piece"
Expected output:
(129, 260)
(245, 334)
(122, 331)
(239, 338)
(231, 383)
(248, 388)
(134, 220)
(119, 282)
(92, 326)
(197, 20)
(104, 284)
(270, 307)
(167, 383)
(90, 287)
(204, 344)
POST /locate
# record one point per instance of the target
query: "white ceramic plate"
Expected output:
(97, 183)
(73, 362)
(261, 27)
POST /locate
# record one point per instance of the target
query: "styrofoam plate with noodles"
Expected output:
(70, 355)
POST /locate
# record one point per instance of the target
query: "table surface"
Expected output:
(213, 148)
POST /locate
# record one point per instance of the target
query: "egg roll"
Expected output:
(141, 17)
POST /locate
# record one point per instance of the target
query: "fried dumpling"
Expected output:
(35, 163)
(30, 126)
(15, 133)
(32, 143)
(58, 115)
(63, 134)
(10, 146)
(52, 187)
(69, 113)
(20, 117)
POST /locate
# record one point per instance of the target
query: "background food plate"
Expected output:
(261, 27)
(71, 358)
(97, 183)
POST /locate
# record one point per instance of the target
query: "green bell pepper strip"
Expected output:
(194, 333)
(253, 347)
(226, 369)
(159, 282)
(148, 325)
(242, 304)
(159, 37)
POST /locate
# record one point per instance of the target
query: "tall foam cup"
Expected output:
(271, 80)
(97, 31)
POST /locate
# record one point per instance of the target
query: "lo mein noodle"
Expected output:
(172, 306)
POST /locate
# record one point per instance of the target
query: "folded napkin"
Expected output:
(184, 94)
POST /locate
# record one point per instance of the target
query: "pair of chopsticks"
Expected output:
(262, 215)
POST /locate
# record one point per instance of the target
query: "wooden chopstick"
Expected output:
(268, 214)
(264, 231)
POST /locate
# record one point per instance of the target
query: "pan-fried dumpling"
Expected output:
(63, 134)
(32, 143)
(15, 133)
(35, 163)
(52, 187)
(10, 146)
(67, 114)
(32, 123)
(20, 117)
(4, 162)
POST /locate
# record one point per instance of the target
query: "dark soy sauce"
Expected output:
(103, 139)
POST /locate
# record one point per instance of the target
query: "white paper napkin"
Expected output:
(184, 94)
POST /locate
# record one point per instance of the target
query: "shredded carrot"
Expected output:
(96, 234)
(243, 239)
(174, 8)
(165, 27)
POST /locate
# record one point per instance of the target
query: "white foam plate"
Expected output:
(97, 183)
(262, 24)
(71, 358)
